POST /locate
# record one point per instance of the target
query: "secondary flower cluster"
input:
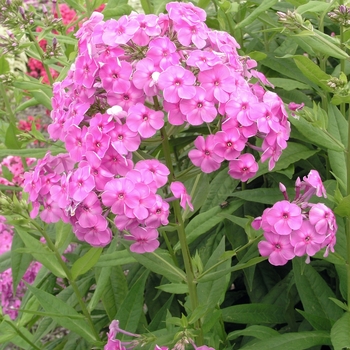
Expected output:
(297, 228)
(127, 74)
(116, 344)
(10, 302)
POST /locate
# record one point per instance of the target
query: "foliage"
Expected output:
(206, 283)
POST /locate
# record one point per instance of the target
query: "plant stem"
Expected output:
(21, 334)
(347, 225)
(182, 236)
(70, 278)
(40, 52)
(11, 117)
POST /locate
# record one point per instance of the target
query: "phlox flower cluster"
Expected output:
(131, 76)
(15, 169)
(116, 344)
(10, 302)
(298, 227)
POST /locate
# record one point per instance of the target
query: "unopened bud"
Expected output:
(44, 10)
(54, 43)
(8, 2)
(22, 12)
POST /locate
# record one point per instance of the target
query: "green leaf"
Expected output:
(316, 135)
(313, 7)
(288, 84)
(265, 5)
(260, 332)
(11, 140)
(131, 309)
(174, 288)
(159, 6)
(340, 304)
(338, 126)
(4, 65)
(42, 98)
(41, 253)
(343, 208)
(120, 257)
(115, 290)
(253, 313)
(19, 261)
(219, 189)
(340, 334)
(147, 6)
(61, 313)
(33, 152)
(261, 195)
(292, 341)
(33, 85)
(116, 9)
(215, 275)
(161, 262)
(86, 262)
(314, 293)
(312, 72)
(203, 222)
(211, 293)
(160, 316)
(63, 232)
(290, 155)
(5, 261)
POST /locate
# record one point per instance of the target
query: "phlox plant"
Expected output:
(207, 208)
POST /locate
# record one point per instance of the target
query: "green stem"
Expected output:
(70, 278)
(21, 335)
(193, 191)
(192, 290)
(170, 248)
(342, 63)
(11, 116)
(40, 52)
(347, 226)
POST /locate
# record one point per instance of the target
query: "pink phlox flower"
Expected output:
(104, 122)
(119, 32)
(159, 171)
(101, 175)
(144, 120)
(115, 75)
(117, 193)
(198, 109)
(203, 60)
(124, 140)
(97, 236)
(185, 12)
(218, 82)
(146, 240)
(204, 156)
(179, 191)
(122, 222)
(195, 33)
(32, 185)
(105, 52)
(296, 106)
(143, 77)
(52, 212)
(306, 240)
(76, 113)
(127, 98)
(86, 70)
(81, 183)
(261, 77)
(277, 248)
(115, 163)
(47, 182)
(273, 154)
(149, 27)
(242, 107)
(219, 39)
(112, 343)
(59, 193)
(117, 113)
(75, 142)
(176, 83)
(97, 141)
(89, 211)
(163, 53)
(284, 217)
(244, 167)
(175, 116)
(322, 218)
(265, 120)
(313, 182)
(229, 144)
(88, 25)
(158, 214)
